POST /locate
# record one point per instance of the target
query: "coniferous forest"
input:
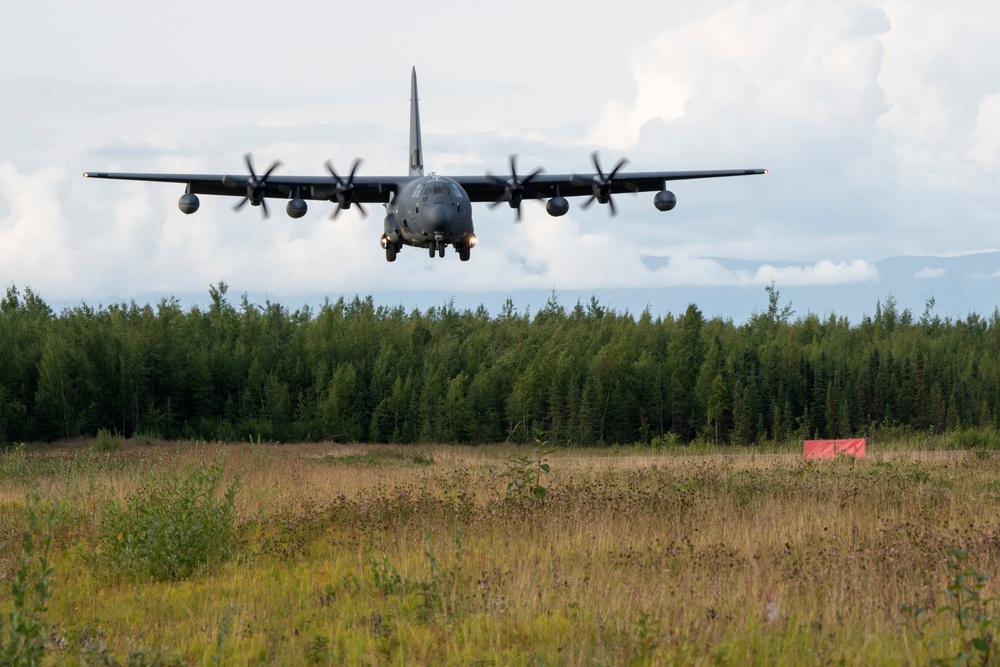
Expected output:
(351, 371)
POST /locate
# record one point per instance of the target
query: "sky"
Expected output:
(879, 123)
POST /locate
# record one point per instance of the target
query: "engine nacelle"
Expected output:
(664, 200)
(557, 206)
(391, 230)
(296, 207)
(188, 203)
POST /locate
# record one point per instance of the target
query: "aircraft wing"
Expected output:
(367, 189)
(490, 188)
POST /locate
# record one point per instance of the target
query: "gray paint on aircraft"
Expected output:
(426, 211)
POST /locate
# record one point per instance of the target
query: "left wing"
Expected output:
(368, 189)
(256, 188)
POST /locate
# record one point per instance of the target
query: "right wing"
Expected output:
(489, 188)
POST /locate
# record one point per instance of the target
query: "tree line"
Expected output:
(351, 371)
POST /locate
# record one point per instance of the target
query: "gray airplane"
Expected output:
(432, 211)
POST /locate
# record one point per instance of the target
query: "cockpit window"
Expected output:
(438, 190)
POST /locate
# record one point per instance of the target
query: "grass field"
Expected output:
(336, 554)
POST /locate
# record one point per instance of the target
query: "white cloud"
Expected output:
(700, 271)
(878, 119)
(36, 244)
(986, 138)
(928, 272)
(784, 65)
(821, 273)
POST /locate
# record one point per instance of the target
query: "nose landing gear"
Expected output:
(437, 245)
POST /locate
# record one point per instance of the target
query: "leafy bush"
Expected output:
(386, 577)
(172, 527)
(969, 611)
(666, 440)
(975, 438)
(145, 439)
(441, 590)
(15, 465)
(24, 631)
(106, 441)
(523, 475)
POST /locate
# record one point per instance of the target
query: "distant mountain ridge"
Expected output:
(959, 285)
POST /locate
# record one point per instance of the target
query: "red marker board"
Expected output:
(828, 449)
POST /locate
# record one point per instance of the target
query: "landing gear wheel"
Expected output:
(432, 248)
(390, 252)
(441, 247)
(464, 252)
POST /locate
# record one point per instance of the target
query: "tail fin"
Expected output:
(416, 145)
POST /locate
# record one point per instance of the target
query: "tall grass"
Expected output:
(370, 555)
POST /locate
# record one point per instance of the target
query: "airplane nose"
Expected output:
(439, 217)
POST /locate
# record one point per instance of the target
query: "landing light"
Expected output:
(472, 241)
(383, 241)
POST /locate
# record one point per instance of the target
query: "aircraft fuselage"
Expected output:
(429, 212)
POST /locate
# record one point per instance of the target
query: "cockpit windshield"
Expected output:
(438, 187)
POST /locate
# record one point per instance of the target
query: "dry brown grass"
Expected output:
(715, 559)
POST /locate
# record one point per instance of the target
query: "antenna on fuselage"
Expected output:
(416, 145)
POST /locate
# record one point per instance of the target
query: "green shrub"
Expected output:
(523, 475)
(24, 630)
(667, 440)
(172, 527)
(15, 465)
(146, 439)
(386, 577)
(975, 438)
(970, 614)
(106, 442)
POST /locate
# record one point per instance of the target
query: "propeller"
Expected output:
(514, 188)
(255, 185)
(345, 189)
(602, 184)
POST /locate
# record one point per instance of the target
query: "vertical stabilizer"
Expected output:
(416, 145)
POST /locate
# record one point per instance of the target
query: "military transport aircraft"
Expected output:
(425, 211)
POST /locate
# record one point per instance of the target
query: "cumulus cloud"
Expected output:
(877, 118)
(706, 272)
(985, 149)
(36, 243)
(822, 273)
(928, 272)
(784, 65)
